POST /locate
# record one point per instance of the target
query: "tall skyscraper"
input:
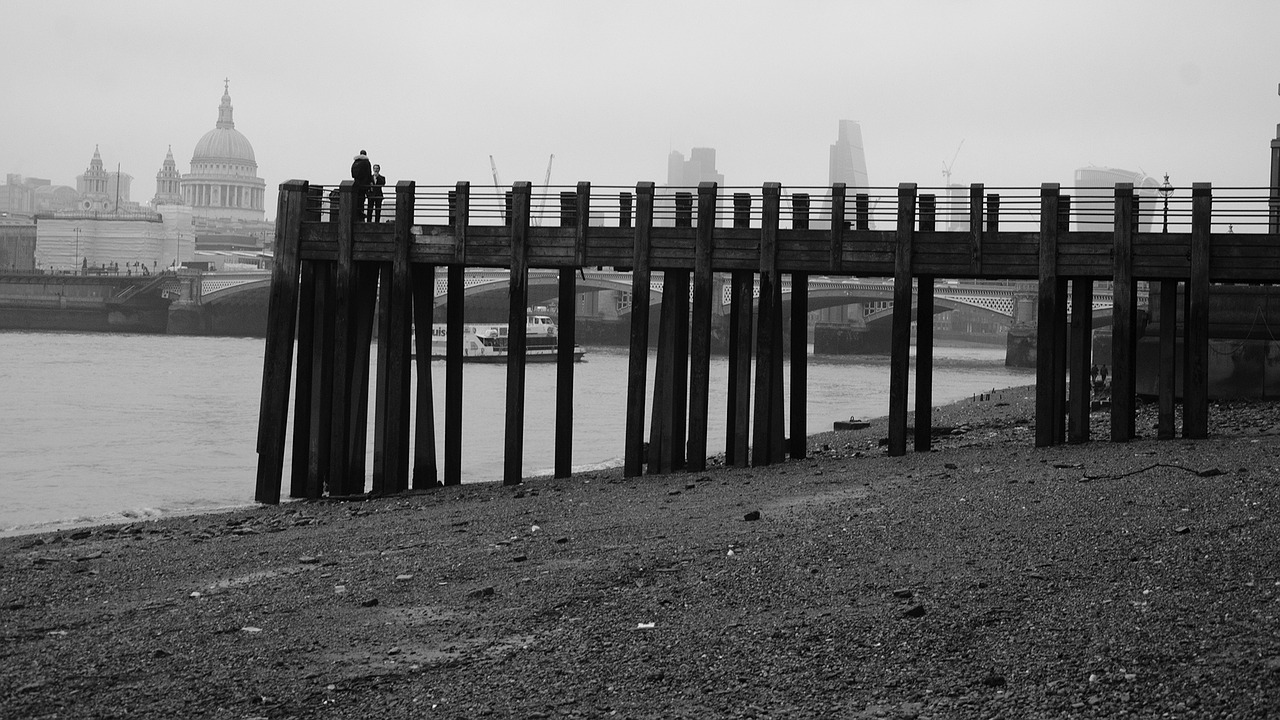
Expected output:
(848, 160)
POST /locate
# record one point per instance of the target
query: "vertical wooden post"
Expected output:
(624, 209)
(924, 338)
(678, 280)
(343, 300)
(455, 306)
(1047, 348)
(660, 431)
(638, 356)
(567, 329)
(1061, 327)
(700, 328)
(838, 192)
(797, 440)
(862, 211)
(517, 331)
(900, 342)
(1165, 381)
(738, 412)
(975, 226)
(1081, 360)
(303, 375)
(1122, 323)
(282, 309)
(426, 472)
(394, 353)
(1195, 393)
(365, 288)
(319, 467)
(768, 344)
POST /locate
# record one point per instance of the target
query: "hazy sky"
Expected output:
(1032, 89)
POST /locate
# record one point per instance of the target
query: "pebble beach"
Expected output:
(984, 579)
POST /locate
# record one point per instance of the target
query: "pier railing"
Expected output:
(333, 268)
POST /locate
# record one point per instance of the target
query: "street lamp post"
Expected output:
(1165, 190)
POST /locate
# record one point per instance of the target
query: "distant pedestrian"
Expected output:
(374, 212)
(362, 174)
(333, 205)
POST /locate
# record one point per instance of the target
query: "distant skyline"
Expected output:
(432, 89)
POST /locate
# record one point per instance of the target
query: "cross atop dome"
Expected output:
(224, 110)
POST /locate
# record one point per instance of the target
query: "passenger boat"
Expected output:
(487, 342)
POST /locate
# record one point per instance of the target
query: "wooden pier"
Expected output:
(336, 276)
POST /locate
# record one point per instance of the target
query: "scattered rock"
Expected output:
(903, 593)
(481, 593)
(752, 516)
(915, 611)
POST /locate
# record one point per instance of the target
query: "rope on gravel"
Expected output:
(1201, 473)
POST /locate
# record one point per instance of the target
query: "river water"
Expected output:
(98, 428)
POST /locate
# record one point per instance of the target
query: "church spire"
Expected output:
(224, 110)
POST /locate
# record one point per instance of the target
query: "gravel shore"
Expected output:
(986, 579)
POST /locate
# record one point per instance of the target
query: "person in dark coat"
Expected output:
(375, 195)
(362, 174)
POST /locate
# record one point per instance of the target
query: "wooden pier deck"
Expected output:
(335, 276)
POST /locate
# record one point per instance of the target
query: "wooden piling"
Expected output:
(738, 405)
(578, 218)
(306, 350)
(1080, 401)
(767, 432)
(1165, 385)
(798, 438)
(277, 360)
(426, 464)
(1047, 348)
(1195, 408)
(638, 357)
(517, 332)
(1123, 318)
(343, 359)
(900, 341)
(391, 426)
(700, 329)
(924, 338)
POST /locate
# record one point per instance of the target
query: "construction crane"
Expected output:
(497, 184)
(546, 188)
(946, 166)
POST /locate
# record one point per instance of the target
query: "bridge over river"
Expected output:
(335, 277)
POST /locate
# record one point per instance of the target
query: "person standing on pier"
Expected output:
(362, 174)
(374, 212)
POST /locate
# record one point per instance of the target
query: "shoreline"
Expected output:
(985, 578)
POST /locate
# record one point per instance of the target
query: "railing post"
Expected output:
(900, 341)
(975, 226)
(838, 191)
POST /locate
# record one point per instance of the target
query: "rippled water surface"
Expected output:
(106, 427)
